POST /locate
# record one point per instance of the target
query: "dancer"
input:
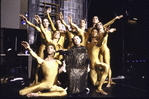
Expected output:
(94, 48)
(105, 52)
(77, 66)
(50, 70)
(81, 31)
(71, 32)
(55, 37)
(44, 42)
(95, 21)
(59, 25)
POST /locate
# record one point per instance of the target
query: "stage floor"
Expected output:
(122, 88)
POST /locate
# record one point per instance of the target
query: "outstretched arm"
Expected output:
(112, 21)
(72, 24)
(52, 25)
(62, 19)
(27, 46)
(29, 23)
(38, 20)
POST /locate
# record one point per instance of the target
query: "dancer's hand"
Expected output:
(23, 17)
(112, 30)
(25, 44)
(49, 10)
(118, 17)
(69, 19)
(37, 19)
(64, 68)
(61, 16)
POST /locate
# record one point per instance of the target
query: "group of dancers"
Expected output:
(87, 52)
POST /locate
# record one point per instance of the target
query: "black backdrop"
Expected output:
(129, 38)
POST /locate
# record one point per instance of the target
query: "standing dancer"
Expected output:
(94, 48)
(81, 31)
(71, 32)
(105, 52)
(59, 26)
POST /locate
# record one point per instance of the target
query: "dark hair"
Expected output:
(79, 37)
(56, 25)
(45, 18)
(95, 28)
(45, 51)
(55, 32)
(83, 19)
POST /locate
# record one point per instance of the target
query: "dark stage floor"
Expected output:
(124, 88)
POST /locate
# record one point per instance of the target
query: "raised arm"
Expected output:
(101, 40)
(29, 23)
(27, 46)
(52, 25)
(62, 19)
(38, 20)
(72, 24)
(112, 21)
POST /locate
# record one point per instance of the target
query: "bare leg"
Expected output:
(93, 75)
(106, 55)
(37, 87)
(103, 77)
(55, 91)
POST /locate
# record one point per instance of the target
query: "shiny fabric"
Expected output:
(76, 65)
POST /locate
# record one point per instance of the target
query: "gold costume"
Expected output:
(63, 35)
(83, 33)
(50, 71)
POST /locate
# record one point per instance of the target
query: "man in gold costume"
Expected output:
(50, 70)
(94, 48)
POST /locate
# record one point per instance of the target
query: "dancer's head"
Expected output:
(95, 20)
(45, 22)
(56, 34)
(77, 40)
(82, 23)
(50, 49)
(58, 24)
(94, 33)
(99, 25)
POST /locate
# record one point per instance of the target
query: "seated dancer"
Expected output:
(81, 31)
(50, 70)
(94, 48)
(77, 67)
(71, 32)
(59, 26)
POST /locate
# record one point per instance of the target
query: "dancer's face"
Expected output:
(94, 33)
(50, 50)
(95, 20)
(77, 40)
(99, 25)
(82, 23)
(57, 35)
(59, 24)
(45, 23)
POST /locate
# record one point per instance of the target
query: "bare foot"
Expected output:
(112, 82)
(102, 92)
(33, 95)
(108, 85)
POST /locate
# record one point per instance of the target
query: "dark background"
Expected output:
(129, 42)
